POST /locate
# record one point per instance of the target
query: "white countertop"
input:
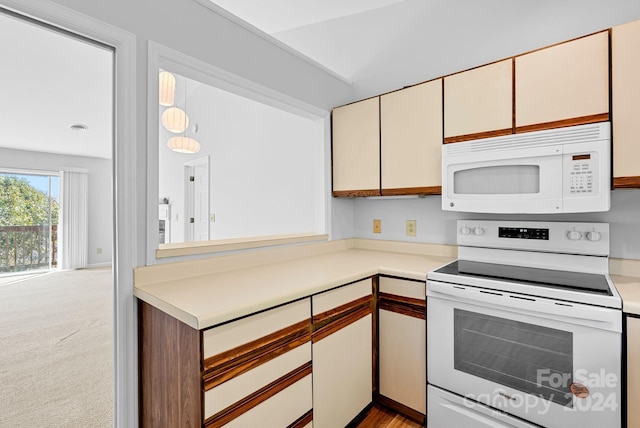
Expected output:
(210, 299)
(629, 289)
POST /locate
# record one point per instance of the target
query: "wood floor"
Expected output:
(381, 417)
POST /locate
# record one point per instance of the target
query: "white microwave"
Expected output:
(564, 170)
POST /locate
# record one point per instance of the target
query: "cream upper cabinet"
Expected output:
(356, 148)
(479, 102)
(565, 84)
(633, 371)
(625, 46)
(411, 139)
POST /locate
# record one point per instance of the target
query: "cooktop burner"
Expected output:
(565, 280)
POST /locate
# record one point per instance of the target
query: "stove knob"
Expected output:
(478, 231)
(574, 235)
(594, 236)
(465, 230)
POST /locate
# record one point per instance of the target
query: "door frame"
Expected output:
(125, 197)
(189, 196)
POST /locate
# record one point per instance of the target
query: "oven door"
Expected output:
(553, 363)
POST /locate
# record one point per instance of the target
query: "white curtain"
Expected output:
(73, 239)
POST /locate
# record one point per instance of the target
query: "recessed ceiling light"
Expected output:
(78, 127)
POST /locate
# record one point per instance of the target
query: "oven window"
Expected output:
(497, 180)
(527, 357)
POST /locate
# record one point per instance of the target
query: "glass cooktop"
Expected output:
(571, 281)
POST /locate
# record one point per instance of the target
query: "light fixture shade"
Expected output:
(167, 88)
(183, 145)
(175, 120)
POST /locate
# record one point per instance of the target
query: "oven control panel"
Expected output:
(571, 237)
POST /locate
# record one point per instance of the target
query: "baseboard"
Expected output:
(359, 417)
(99, 265)
(410, 413)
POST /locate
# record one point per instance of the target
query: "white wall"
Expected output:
(437, 226)
(266, 167)
(100, 196)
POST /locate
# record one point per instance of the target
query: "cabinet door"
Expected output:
(478, 103)
(411, 140)
(565, 84)
(342, 354)
(402, 344)
(625, 45)
(356, 148)
(633, 371)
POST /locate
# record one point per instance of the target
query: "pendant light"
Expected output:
(183, 144)
(167, 89)
(177, 121)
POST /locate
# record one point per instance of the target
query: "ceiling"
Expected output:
(49, 81)
(384, 45)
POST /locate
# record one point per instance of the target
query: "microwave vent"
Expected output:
(552, 137)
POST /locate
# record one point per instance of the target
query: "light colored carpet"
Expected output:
(56, 350)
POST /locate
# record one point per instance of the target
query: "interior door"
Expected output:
(197, 199)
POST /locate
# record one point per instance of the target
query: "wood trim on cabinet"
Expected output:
(169, 370)
(626, 182)
(303, 420)
(584, 120)
(476, 136)
(513, 95)
(429, 190)
(355, 193)
(234, 362)
(399, 408)
(375, 337)
(402, 305)
(329, 322)
(225, 416)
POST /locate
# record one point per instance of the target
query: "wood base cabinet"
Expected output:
(255, 371)
(402, 346)
(342, 354)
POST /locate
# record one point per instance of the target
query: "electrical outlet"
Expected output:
(411, 228)
(377, 226)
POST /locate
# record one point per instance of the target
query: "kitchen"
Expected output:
(354, 216)
(586, 149)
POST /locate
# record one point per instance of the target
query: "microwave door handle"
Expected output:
(508, 300)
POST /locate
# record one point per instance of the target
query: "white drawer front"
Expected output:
(280, 410)
(236, 333)
(234, 390)
(402, 287)
(331, 299)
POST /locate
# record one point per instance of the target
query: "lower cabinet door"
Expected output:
(403, 363)
(342, 367)
(402, 342)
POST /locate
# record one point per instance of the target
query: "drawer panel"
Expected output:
(253, 327)
(333, 298)
(279, 410)
(402, 287)
(234, 390)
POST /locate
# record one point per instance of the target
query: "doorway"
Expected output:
(28, 222)
(58, 108)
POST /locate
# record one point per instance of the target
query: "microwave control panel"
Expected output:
(581, 174)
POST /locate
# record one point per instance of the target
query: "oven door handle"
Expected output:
(517, 303)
